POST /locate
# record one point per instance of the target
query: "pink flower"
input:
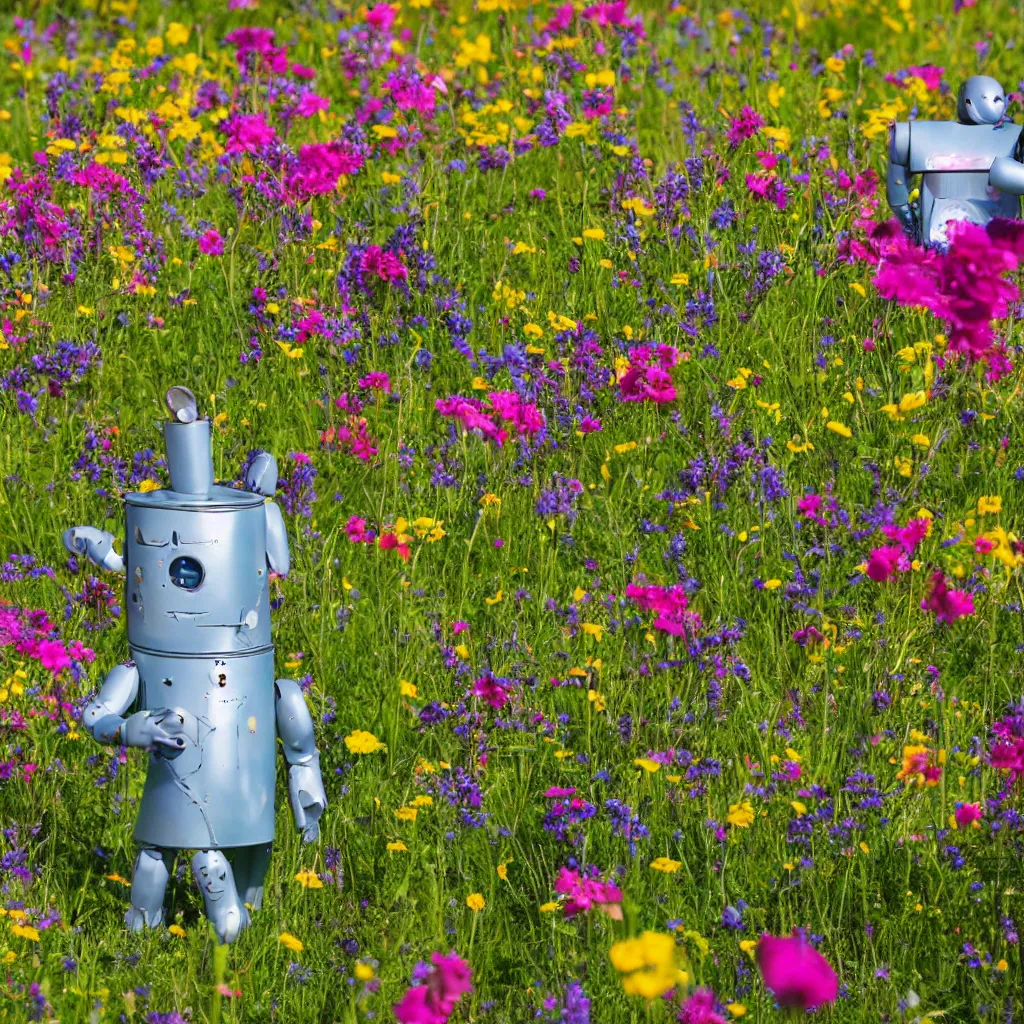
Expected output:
(947, 605)
(382, 263)
(885, 562)
(433, 1003)
(311, 104)
(52, 655)
(797, 974)
(211, 244)
(459, 627)
(489, 690)
(671, 605)
(357, 532)
(248, 133)
(378, 381)
(388, 541)
(584, 893)
(747, 123)
(381, 17)
(320, 165)
(966, 815)
(701, 1008)
(557, 792)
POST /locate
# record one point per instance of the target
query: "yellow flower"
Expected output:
(666, 864)
(407, 689)
(503, 872)
(741, 814)
(308, 879)
(398, 847)
(360, 742)
(290, 942)
(25, 931)
(423, 801)
(176, 34)
(406, 813)
(548, 908)
(364, 972)
(800, 808)
(647, 764)
(647, 965)
(597, 234)
(772, 584)
(475, 902)
(990, 504)
(593, 629)
(737, 1009)
(839, 428)
(748, 946)
(176, 929)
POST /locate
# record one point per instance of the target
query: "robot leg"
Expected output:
(213, 875)
(250, 866)
(149, 883)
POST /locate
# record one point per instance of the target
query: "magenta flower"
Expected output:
(966, 815)
(447, 981)
(701, 1008)
(671, 604)
(211, 244)
(746, 124)
(491, 691)
(584, 893)
(947, 605)
(248, 133)
(53, 656)
(885, 562)
(797, 974)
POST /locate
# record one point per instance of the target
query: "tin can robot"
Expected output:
(197, 561)
(970, 169)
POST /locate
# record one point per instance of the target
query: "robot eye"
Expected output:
(186, 573)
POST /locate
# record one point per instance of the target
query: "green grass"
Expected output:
(70, 832)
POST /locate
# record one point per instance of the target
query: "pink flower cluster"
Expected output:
(29, 633)
(769, 187)
(248, 133)
(701, 1008)
(886, 561)
(433, 1003)
(746, 124)
(319, 166)
(648, 379)
(966, 285)
(947, 605)
(382, 263)
(488, 418)
(1008, 749)
(490, 691)
(584, 893)
(671, 604)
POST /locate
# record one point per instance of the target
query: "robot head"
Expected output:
(981, 100)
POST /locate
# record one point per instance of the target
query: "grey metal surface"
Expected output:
(219, 791)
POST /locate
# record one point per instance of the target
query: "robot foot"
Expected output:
(214, 876)
(138, 920)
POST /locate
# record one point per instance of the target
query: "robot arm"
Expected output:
(305, 784)
(96, 545)
(897, 191)
(261, 478)
(103, 719)
(1007, 175)
(278, 556)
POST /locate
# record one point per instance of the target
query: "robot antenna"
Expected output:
(182, 404)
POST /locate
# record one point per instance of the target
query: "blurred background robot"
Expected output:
(970, 168)
(197, 560)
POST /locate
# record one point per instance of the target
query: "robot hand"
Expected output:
(905, 215)
(308, 797)
(164, 730)
(96, 545)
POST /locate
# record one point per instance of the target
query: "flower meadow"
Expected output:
(653, 502)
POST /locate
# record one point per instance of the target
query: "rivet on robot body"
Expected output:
(196, 562)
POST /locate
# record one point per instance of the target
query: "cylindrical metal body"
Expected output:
(219, 792)
(189, 456)
(199, 632)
